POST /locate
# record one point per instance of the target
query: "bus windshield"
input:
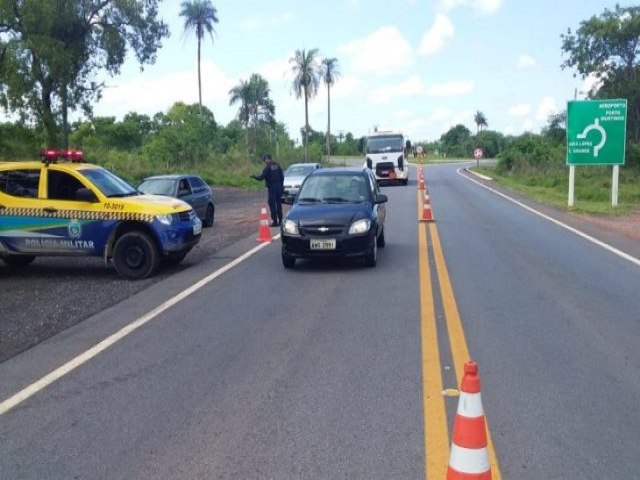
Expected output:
(384, 144)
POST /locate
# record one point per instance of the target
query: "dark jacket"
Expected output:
(272, 175)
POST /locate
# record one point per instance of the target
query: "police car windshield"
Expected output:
(109, 184)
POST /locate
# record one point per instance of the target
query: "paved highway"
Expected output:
(261, 372)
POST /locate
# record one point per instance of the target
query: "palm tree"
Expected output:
(305, 83)
(199, 16)
(480, 120)
(330, 74)
(256, 106)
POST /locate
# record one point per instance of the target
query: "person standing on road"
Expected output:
(273, 177)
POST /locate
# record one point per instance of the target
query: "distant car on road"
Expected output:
(189, 188)
(339, 212)
(295, 174)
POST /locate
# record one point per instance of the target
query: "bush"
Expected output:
(532, 154)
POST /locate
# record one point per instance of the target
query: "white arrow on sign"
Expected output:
(595, 126)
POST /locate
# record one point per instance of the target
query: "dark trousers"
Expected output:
(275, 203)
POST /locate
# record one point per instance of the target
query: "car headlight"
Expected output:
(166, 219)
(290, 227)
(360, 226)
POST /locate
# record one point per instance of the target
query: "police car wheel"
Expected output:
(135, 256)
(18, 261)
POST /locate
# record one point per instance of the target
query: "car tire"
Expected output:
(381, 240)
(208, 217)
(288, 261)
(135, 256)
(404, 181)
(371, 258)
(18, 261)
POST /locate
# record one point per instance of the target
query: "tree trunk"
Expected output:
(306, 126)
(328, 121)
(199, 81)
(64, 94)
(47, 116)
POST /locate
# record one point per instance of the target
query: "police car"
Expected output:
(63, 206)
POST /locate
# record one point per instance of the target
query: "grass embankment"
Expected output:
(593, 186)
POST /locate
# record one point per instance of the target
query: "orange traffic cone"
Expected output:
(420, 179)
(469, 455)
(427, 215)
(264, 232)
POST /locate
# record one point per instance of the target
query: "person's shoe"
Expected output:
(273, 224)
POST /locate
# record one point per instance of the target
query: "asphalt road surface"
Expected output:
(317, 372)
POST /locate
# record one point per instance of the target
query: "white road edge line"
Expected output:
(606, 246)
(84, 357)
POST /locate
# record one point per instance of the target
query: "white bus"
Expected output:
(386, 156)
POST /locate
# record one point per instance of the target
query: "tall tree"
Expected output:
(330, 74)
(199, 17)
(607, 47)
(256, 106)
(305, 84)
(480, 120)
(51, 50)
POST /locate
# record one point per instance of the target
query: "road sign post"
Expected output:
(596, 135)
(478, 153)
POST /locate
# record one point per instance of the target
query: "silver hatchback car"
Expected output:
(294, 175)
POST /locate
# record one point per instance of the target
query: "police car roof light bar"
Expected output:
(51, 155)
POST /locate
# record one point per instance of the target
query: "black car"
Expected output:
(339, 212)
(190, 188)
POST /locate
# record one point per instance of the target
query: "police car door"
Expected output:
(80, 221)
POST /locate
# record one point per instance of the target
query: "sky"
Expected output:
(417, 66)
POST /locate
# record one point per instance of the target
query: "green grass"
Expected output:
(592, 188)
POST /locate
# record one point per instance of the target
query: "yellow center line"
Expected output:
(436, 436)
(457, 340)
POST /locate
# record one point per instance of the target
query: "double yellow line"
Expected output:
(436, 434)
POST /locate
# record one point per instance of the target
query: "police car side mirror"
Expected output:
(85, 195)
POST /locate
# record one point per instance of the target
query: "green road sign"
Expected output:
(596, 132)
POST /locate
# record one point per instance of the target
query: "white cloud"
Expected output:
(589, 83)
(441, 114)
(410, 87)
(547, 107)
(520, 110)
(526, 61)
(434, 40)
(527, 126)
(381, 53)
(451, 89)
(480, 6)
(142, 93)
(276, 71)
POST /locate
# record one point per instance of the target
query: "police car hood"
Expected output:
(156, 204)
